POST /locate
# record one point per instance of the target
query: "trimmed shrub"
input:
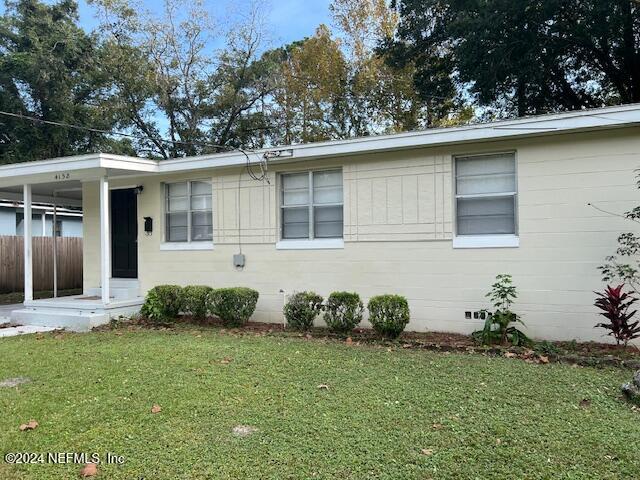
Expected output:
(301, 310)
(388, 314)
(234, 306)
(196, 301)
(163, 303)
(343, 311)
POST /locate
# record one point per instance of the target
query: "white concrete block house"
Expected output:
(433, 215)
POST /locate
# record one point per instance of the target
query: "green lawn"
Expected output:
(479, 417)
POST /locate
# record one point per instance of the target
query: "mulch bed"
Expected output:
(579, 353)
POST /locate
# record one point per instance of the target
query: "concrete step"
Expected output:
(119, 289)
(77, 316)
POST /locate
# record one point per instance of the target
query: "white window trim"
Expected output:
(185, 245)
(303, 243)
(490, 240)
(174, 246)
(315, 244)
(486, 241)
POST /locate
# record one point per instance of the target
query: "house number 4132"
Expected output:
(62, 176)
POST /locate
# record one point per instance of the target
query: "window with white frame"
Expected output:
(311, 205)
(486, 195)
(188, 211)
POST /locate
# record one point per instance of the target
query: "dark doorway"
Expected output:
(124, 233)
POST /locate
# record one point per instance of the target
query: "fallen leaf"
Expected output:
(544, 359)
(32, 425)
(89, 470)
(349, 341)
(322, 386)
(406, 345)
(308, 336)
(498, 441)
(156, 409)
(510, 355)
(117, 333)
(427, 451)
(437, 426)
(226, 360)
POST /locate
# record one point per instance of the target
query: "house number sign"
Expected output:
(62, 176)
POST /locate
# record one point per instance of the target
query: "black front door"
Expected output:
(124, 233)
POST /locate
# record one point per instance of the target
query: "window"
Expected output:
(189, 214)
(486, 195)
(312, 205)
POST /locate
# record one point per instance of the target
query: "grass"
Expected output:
(18, 297)
(480, 417)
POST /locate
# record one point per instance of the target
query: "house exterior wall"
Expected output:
(398, 231)
(7, 221)
(71, 226)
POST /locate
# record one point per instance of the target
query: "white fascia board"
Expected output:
(81, 167)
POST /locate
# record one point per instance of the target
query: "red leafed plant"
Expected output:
(615, 304)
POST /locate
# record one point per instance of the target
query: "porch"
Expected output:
(60, 183)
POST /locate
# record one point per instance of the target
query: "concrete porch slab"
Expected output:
(77, 313)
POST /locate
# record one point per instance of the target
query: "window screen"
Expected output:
(486, 195)
(189, 212)
(312, 205)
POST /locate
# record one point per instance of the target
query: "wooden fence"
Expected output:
(12, 263)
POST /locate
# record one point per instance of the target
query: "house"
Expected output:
(433, 215)
(68, 220)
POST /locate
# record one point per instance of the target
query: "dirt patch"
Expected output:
(14, 382)
(243, 430)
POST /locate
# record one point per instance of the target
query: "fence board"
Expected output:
(12, 263)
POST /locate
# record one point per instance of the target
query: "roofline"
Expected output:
(583, 120)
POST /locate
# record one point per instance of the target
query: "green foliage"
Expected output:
(163, 303)
(524, 57)
(547, 348)
(50, 69)
(498, 326)
(234, 306)
(301, 309)
(388, 314)
(196, 301)
(343, 311)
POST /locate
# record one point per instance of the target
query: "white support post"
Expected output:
(54, 234)
(105, 264)
(28, 249)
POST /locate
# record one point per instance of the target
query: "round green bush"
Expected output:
(388, 314)
(343, 311)
(234, 306)
(163, 303)
(196, 301)
(301, 310)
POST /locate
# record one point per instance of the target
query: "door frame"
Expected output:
(123, 187)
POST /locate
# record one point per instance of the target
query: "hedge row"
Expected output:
(234, 306)
(343, 311)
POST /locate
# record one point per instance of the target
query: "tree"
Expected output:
(525, 57)
(49, 69)
(168, 75)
